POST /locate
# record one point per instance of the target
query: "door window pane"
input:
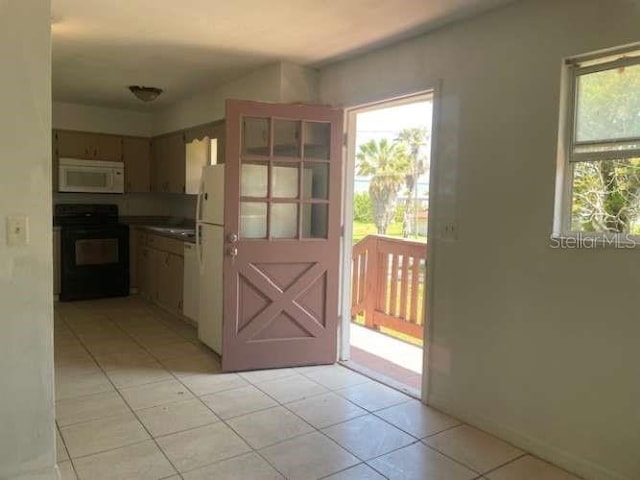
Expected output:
(286, 138)
(284, 180)
(316, 181)
(317, 140)
(284, 220)
(255, 136)
(608, 103)
(253, 180)
(253, 220)
(314, 220)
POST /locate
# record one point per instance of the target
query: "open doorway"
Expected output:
(386, 213)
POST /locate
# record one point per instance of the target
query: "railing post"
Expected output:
(371, 295)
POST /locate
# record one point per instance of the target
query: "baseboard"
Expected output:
(50, 473)
(577, 465)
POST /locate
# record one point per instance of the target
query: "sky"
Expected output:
(387, 122)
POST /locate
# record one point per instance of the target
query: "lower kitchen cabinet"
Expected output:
(135, 236)
(147, 273)
(160, 271)
(170, 272)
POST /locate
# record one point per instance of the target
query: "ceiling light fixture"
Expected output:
(146, 94)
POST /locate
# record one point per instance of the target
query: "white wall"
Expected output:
(277, 82)
(27, 441)
(262, 84)
(535, 344)
(299, 84)
(138, 204)
(71, 116)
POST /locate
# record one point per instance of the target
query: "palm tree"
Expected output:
(414, 139)
(387, 163)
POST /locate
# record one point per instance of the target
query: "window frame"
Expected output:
(568, 157)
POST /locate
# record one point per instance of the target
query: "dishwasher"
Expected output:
(191, 282)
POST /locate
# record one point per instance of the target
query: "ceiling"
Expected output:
(100, 47)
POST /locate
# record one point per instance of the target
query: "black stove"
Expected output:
(94, 250)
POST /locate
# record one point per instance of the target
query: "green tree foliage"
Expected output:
(606, 194)
(362, 208)
(415, 141)
(608, 105)
(387, 163)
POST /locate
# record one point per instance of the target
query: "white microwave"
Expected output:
(91, 176)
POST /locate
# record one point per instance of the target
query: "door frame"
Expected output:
(348, 176)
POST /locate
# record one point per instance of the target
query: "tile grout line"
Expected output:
(524, 454)
(315, 429)
(255, 385)
(278, 404)
(451, 458)
(124, 400)
(409, 433)
(219, 418)
(353, 466)
(369, 412)
(180, 382)
(64, 443)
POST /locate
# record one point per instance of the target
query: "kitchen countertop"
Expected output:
(176, 228)
(185, 234)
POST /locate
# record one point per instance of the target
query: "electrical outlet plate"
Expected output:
(450, 231)
(17, 231)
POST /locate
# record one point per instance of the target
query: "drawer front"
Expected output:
(165, 244)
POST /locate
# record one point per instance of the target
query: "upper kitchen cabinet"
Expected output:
(218, 132)
(89, 146)
(199, 132)
(214, 132)
(168, 153)
(136, 155)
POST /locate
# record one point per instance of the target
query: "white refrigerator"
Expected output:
(210, 252)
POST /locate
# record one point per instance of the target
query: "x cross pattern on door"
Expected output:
(281, 300)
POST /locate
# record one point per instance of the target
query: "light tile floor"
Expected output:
(138, 397)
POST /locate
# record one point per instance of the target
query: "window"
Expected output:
(602, 145)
